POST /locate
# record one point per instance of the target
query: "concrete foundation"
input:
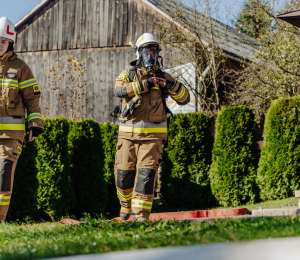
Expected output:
(284, 211)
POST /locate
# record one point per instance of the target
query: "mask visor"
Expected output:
(149, 58)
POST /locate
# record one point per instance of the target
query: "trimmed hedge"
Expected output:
(55, 194)
(23, 203)
(235, 157)
(109, 146)
(87, 157)
(185, 182)
(279, 165)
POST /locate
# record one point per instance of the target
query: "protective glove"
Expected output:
(170, 85)
(36, 131)
(150, 83)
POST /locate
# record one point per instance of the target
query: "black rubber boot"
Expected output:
(142, 219)
(124, 216)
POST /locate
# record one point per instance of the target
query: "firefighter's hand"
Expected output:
(31, 137)
(160, 81)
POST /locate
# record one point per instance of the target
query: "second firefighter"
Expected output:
(143, 127)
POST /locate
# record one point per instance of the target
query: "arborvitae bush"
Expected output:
(185, 182)
(23, 203)
(55, 194)
(109, 146)
(87, 161)
(235, 157)
(279, 165)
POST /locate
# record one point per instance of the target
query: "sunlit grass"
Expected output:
(36, 241)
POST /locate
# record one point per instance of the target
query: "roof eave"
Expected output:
(35, 10)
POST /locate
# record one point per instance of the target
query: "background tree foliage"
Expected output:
(198, 37)
(275, 72)
(249, 22)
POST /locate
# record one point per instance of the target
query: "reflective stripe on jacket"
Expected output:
(18, 90)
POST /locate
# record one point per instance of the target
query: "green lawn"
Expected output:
(36, 241)
(270, 204)
(45, 240)
(266, 204)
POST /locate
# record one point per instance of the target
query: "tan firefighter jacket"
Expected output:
(18, 90)
(149, 120)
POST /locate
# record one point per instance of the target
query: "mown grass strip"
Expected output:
(36, 241)
(269, 204)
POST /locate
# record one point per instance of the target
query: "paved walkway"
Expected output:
(264, 249)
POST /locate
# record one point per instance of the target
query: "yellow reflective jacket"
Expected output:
(18, 90)
(149, 120)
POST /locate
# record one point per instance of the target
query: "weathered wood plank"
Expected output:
(133, 21)
(55, 29)
(95, 23)
(116, 26)
(98, 85)
(83, 36)
(34, 26)
(110, 84)
(51, 28)
(76, 24)
(89, 24)
(105, 23)
(66, 25)
(54, 103)
(90, 86)
(111, 22)
(60, 24)
(24, 39)
(71, 24)
(30, 37)
(18, 46)
(125, 39)
(79, 18)
(45, 29)
(101, 22)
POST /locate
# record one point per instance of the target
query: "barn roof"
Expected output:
(232, 42)
(228, 38)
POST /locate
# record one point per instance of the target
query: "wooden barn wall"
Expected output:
(103, 65)
(76, 24)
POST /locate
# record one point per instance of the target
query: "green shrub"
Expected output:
(185, 182)
(87, 161)
(55, 194)
(24, 197)
(279, 165)
(235, 157)
(109, 146)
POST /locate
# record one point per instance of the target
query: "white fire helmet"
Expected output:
(146, 38)
(7, 29)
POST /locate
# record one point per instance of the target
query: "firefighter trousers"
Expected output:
(10, 150)
(135, 172)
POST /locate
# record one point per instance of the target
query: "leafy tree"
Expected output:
(251, 20)
(275, 72)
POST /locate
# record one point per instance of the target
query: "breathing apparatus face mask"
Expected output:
(149, 58)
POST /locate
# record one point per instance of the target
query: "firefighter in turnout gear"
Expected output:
(18, 90)
(143, 127)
